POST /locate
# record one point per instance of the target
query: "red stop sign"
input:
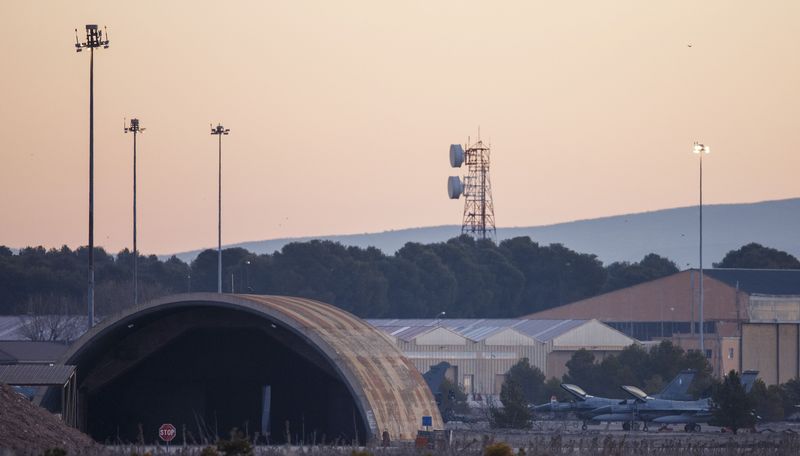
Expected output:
(167, 432)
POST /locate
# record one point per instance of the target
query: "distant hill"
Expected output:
(672, 233)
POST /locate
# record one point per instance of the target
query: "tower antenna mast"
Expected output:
(476, 186)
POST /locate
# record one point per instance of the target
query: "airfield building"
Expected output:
(751, 317)
(481, 351)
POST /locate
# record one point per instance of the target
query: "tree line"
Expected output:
(650, 370)
(464, 277)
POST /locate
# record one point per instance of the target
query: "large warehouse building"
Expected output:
(482, 350)
(751, 317)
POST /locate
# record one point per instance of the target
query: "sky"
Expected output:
(341, 113)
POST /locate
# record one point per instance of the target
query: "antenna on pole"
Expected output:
(476, 186)
(135, 129)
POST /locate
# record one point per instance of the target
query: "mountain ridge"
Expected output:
(672, 233)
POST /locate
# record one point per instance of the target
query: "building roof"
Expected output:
(36, 374)
(10, 327)
(30, 352)
(382, 380)
(477, 330)
(760, 281)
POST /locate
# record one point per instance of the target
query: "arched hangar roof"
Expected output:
(389, 391)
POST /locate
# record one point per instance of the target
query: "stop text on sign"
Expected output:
(167, 432)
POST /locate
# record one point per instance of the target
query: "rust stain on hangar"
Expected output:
(386, 387)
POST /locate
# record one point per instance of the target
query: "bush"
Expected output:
(236, 446)
(732, 407)
(498, 449)
(515, 412)
(55, 452)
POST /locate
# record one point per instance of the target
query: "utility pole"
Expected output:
(701, 149)
(219, 130)
(94, 39)
(134, 128)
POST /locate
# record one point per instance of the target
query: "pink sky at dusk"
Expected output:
(341, 113)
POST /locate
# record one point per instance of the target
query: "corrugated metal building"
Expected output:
(482, 350)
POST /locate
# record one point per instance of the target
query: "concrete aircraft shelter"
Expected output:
(201, 361)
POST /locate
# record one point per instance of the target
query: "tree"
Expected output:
(791, 396)
(768, 400)
(50, 320)
(732, 407)
(581, 369)
(704, 378)
(624, 274)
(756, 256)
(666, 360)
(515, 412)
(552, 388)
(530, 379)
(453, 400)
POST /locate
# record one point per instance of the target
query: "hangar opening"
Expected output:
(296, 369)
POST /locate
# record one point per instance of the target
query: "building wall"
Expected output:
(487, 364)
(773, 349)
(788, 352)
(714, 343)
(593, 335)
(729, 354)
(767, 309)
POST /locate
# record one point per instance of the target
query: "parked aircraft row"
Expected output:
(673, 405)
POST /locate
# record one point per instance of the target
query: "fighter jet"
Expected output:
(583, 405)
(651, 409)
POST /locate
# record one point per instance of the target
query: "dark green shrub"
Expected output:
(498, 449)
(55, 452)
(238, 445)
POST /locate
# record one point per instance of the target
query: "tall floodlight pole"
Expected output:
(134, 128)
(219, 130)
(94, 39)
(701, 149)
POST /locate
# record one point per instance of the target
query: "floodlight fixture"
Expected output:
(219, 131)
(700, 150)
(94, 39)
(135, 129)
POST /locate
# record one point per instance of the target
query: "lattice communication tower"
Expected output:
(476, 187)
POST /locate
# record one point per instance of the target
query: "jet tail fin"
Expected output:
(678, 388)
(748, 378)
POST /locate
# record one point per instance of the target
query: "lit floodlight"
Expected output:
(701, 148)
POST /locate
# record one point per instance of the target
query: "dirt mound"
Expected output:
(28, 429)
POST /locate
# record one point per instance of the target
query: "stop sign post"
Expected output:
(167, 432)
